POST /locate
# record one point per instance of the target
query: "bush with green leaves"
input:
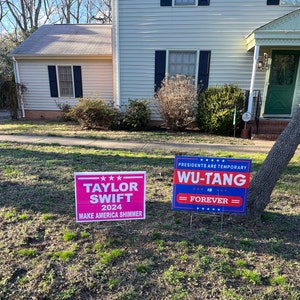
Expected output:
(92, 113)
(177, 102)
(216, 108)
(137, 116)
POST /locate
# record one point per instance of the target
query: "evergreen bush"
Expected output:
(216, 107)
(136, 116)
(92, 113)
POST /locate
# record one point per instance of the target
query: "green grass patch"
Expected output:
(64, 255)
(109, 257)
(69, 236)
(251, 276)
(28, 252)
(47, 217)
(278, 280)
(174, 276)
(143, 268)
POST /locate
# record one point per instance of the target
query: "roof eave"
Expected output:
(60, 56)
(273, 38)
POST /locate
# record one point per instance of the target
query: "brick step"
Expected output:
(265, 137)
(270, 130)
(272, 127)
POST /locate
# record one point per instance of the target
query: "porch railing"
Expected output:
(256, 106)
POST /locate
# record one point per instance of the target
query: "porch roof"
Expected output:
(283, 31)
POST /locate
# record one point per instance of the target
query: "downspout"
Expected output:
(17, 81)
(116, 53)
(255, 59)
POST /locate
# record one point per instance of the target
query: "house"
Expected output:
(58, 64)
(255, 44)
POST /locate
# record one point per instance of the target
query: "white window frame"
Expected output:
(184, 5)
(289, 3)
(59, 82)
(184, 50)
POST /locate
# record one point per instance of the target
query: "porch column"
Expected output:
(255, 59)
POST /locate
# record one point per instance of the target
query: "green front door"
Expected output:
(282, 80)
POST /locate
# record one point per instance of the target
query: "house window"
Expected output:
(284, 2)
(184, 2)
(65, 81)
(191, 63)
(182, 62)
(290, 2)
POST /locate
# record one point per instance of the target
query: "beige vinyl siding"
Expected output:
(144, 27)
(97, 81)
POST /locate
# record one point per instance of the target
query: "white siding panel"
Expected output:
(97, 81)
(144, 27)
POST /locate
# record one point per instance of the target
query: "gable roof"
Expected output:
(279, 32)
(67, 40)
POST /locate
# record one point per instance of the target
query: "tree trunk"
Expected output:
(264, 181)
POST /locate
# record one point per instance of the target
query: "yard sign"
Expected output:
(210, 184)
(110, 196)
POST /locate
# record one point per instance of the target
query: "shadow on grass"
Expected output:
(41, 180)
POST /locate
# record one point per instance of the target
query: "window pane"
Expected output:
(184, 2)
(182, 62)
(65, 81)
(290, 2)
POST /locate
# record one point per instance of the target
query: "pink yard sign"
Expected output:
(110, 196)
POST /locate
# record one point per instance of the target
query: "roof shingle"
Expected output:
(67, 40)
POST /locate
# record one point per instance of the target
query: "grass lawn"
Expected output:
(48, 128)
(44, 254)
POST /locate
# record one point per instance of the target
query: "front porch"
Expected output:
(261, 127)
(276, 53)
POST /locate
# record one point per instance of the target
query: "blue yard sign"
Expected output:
(211, 184)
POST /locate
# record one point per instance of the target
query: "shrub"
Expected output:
(177, 102)
(92, 113)
(136, 116)
(65, 109)
(10, 91)
(216, 108)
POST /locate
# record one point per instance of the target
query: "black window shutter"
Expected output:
(165, 2)
(52, 81)
(77, 81)
(203, 73)
(160, 67)
(273, 2)
(203, 2)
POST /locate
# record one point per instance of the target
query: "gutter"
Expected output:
(17, 81)
(116, 53)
